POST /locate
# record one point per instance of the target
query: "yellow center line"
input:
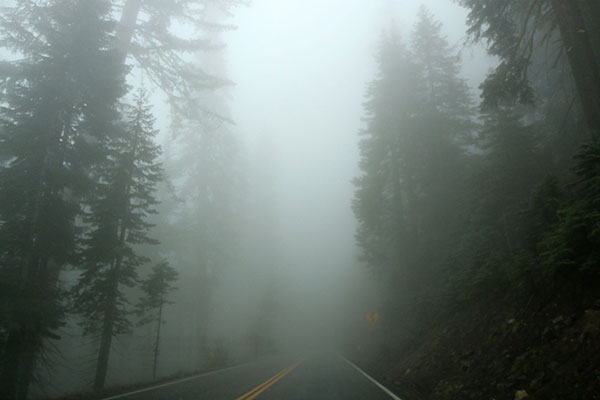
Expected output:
(268, 383)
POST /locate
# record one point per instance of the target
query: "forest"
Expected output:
(192, 186)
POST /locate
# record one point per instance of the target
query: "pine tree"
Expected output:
(200, 214)
(443, 127)
(413, 149)
(144, 33)
(515, 30)
(444, 91)
(382, 194)
(59, 98)
(156, 288)
(116, 214)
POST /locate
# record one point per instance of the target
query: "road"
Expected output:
(312, 377)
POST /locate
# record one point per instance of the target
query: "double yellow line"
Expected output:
(268, 383)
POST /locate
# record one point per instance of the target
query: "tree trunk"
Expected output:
(28, 362)
(157, 341)
(103, 354)
(107, 334)
(578, 30)
(18, 363)
(110, 311)
(25, 336)
(126, 27)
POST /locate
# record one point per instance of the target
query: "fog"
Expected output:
(299, 71)
(256, 212)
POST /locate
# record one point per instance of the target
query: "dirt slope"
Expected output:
(510, 347)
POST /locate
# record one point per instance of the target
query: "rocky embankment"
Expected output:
(504, 347)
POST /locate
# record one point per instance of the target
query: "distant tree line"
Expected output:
(456, 201)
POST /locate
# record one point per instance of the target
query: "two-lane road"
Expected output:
(311, 377)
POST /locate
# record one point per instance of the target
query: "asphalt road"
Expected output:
(312, 377)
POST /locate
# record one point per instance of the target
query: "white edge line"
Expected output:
(386, 390)
(189, 378)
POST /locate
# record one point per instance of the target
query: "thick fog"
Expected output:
(269, 261)
(299, 73)
(301, 70)
(215, 190)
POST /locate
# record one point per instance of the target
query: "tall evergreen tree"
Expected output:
(380, 202)
(59, 99)
(200, 212)
(116, 213)
(419, 122)
(443, 129)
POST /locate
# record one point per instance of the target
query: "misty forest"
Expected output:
(300, 199)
